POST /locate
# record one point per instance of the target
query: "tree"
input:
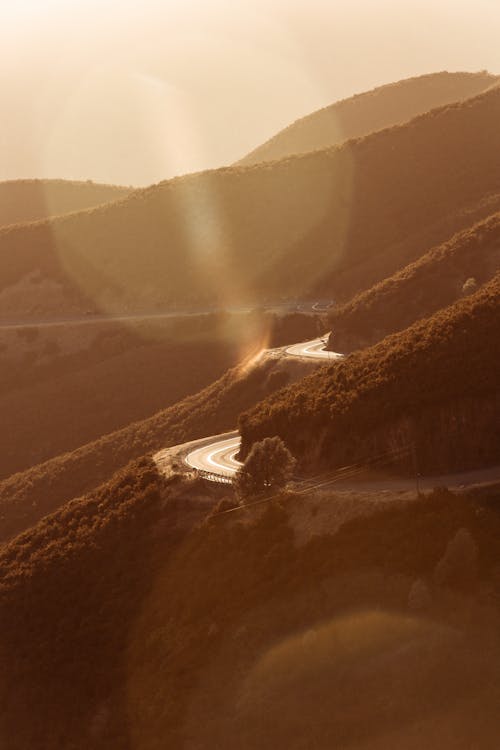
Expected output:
(268, 467)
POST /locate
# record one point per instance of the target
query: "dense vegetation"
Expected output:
(374, 110)
(434, 386)
(432, 282)
(64, 386)
(330, 222)
(23, 201)
(124, 626)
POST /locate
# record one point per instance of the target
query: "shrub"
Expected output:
(268, 467)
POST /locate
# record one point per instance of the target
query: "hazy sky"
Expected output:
(134, 91)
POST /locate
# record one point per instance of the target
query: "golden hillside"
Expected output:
(373, 110)
(329, 222)
(64, 386)
(27, 496)
(127, 622)
(433, 386)
(23, 201)
(437, 279)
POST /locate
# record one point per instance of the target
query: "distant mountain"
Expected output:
(330, 222)
(437, 279)
(31, 200)
(373, 110)
(434, 386)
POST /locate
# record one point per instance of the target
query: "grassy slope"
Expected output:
(373, 110)
(430, 283)
(28, 496)
(24, 201)
(55, 398)
(332, 221)
(122, 628)
(54, 404)
(436, 385)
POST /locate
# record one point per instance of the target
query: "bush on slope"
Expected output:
(432, 282)
(434, 385)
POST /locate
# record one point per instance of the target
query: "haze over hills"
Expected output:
(23, 201)
(366, 113)
(435, 280)
(434, 387)
(148, 604)
(331, 222)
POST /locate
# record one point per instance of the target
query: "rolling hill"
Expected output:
(28, 496)
(433, 388)
(135, 616)
(129, 619)
(432, 282)
(24, 201)
(331, 222)
(62, 387)
(373, 110)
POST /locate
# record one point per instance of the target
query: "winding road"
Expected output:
(216, 460)
(214, 457)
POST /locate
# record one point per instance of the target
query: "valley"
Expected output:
(250, 445)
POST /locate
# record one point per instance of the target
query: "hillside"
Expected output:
(366, 113)
(432, 282)
(328, 223)
(126, 624)
(24, 201)
(27, 496)
(434, 386)
(64, 386)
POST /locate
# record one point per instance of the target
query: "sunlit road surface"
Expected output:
(314, 349)
(218, 458)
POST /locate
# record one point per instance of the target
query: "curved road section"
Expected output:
(217, 460)
(315, 349)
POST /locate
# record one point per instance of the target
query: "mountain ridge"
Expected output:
(331, 221)
(324, 127)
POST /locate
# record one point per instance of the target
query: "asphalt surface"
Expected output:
(217, 458)
(314, 349)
